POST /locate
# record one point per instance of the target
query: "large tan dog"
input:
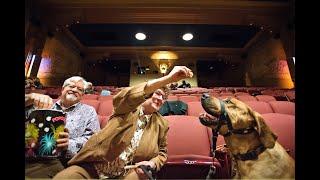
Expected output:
(251, 142)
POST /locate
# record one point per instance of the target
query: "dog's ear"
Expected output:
(266, 136)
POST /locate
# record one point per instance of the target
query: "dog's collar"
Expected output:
(239, 131)
(250, 155)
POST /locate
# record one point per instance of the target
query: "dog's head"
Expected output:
(239, 114)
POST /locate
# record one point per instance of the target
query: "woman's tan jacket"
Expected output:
(109, 142)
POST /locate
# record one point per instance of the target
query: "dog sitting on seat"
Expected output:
(252, 143)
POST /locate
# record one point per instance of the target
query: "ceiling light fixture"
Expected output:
(140, 36)
(187, 36)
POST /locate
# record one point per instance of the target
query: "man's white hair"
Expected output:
(75, 79)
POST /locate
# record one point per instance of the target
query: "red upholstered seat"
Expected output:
(194, 108)
(241, 94)
(225, 97)
(103, 120)
(246, 98)
(226, 94)
(260, 106)
(172, 98)
(91, 102)
(105, 108)
(188, 149)
(188, 128)
(104, 98)
(265, 98)
(188, 98)
(284, 126)
(283, 107)
(90, 96)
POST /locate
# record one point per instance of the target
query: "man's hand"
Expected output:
(177, 73)
(146, 163)
(180, 72)
(40, 101)
(63, 140)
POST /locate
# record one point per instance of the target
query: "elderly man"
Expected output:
(136, 134)
(81, 122)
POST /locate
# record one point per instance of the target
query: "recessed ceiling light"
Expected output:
(187, 36)
(140, 36)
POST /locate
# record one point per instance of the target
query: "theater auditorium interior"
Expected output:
(242, 49)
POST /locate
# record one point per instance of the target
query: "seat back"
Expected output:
(284, 126)
(90, 96)
(194, 109)
(241, 94)
(260, 106)
(187, 136)
(225, 97)
(172, 98)
(265, 98)
(105, 108)
(188, 98)
(103, 120)
(246, 98)
(226, 94)
(188, 150)
(91, 102)
(104, 98)
(283, 107)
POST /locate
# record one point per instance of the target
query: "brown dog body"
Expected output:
(273, 162)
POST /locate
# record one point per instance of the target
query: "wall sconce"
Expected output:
(163, 67)
(163, 59)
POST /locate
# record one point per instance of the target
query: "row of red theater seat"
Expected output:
(279, 94)
(238, 89)
(249, 89)
(282, 107)
(104, 108)
(241, 96)
(194, 94)
(262, 90)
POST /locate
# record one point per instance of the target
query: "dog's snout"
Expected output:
(205, 96)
